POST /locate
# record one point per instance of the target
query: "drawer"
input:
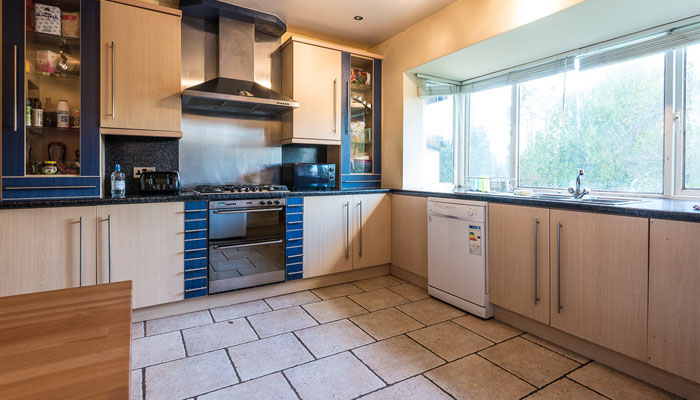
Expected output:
(199, 244)
(195, 264)
(197, 273)
(196, 254)
(295, 218)
(295, 201)
(196, 284)
(201, 234)
(192, 215)
(195, 205)
(195, 225)
(296, 267)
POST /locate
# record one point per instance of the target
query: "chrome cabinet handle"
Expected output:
(360, 204)
(559, 306)
(537, 297)
(81, 251)
(109, 246)
(335, 106)
(113, 106)
(347, 230)
(14, 92)
(347, 131)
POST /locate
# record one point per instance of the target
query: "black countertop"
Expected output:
(680, 210)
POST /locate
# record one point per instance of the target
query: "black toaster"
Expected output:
(160, 182)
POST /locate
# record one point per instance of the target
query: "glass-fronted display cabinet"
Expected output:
(50, 136)
(361, 152)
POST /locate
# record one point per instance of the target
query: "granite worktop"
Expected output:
(680, 210)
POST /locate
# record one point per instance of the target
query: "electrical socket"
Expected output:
(140, 170)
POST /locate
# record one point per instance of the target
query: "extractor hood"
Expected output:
(234, 90)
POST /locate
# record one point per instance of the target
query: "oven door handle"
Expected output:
(248, 211)
(233, 246)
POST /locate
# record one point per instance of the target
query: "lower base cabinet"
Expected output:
(345, 232)
(674, 298)
(143, 243)
(46, 249)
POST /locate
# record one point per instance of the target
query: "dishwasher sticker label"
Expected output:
(475, 240)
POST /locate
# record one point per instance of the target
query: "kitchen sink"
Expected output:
(601, 200)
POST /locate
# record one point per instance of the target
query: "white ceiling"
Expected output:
(333, 19)
(579, 26)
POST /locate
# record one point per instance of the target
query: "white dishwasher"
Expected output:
(458, 254)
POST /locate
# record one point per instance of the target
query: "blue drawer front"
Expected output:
(196, 283)
(293, 277)
(294, 226)
(50, 188)
(294, 259)
(295, 201)
(196, 235)
(195, 254)
(195, 225)
(295, 209)
(295, 218)
(196, 293)
(294, 251)
(295, 234)
(199, 273)
(196, 244)
(190, 215)
(195, 205)
(194, 264)
(296, 267)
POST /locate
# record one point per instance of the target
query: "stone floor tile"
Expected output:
(338, 377)
(615, 384)
(565, 389)
(239, 310)
(409, 291)
(491, 329)
(202, 339)
(135, 382)
(386, 323)
(281, 321)
(377, 282)
(397, 358)
(177, 322)
(377, 299)
(529, 361)
(269, 355)
(189, 376)
(474, 378)
(557, 349)
(291, 300)
(334, 309)
(156, 349)
(330, 292)
(137, 330)
(273, 387)
(416, 388)
(449, 340)
(335, 337)
(430, 311)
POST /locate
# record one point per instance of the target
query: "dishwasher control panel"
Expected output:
(460, 209)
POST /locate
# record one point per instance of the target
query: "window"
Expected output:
(613, 110)
(691, 156)
(490, 132)
(438, 161)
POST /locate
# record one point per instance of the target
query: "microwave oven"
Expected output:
(309, 176)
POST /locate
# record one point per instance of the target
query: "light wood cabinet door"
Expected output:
(674, 295)
(140, 66)
(519, 260)
(371, 239)
(599, 278)
(311, 75)
(143, 243)
(327, 235)
(409, 233)
(40, 249)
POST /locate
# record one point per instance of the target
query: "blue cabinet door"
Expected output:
(15, 184)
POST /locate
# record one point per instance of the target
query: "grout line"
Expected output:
(358, 304)
(143, 383)
(290, 384)
(508, 372)
(436, 385)
(304, 344)
(554, 351)
(430, 351)
(184, 344)
(352, 352)
(253, 328)
(312, 317)
(233, 365)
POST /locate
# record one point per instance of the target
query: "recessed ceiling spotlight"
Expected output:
(359, 17)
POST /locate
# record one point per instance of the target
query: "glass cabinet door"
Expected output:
(361, 115)
(52, 88)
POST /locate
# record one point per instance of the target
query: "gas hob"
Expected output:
(228, 189)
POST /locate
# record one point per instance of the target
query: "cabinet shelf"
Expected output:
(357, 87)
(53, 40)
(42, 130)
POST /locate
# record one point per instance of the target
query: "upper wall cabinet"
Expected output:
(311, 75)
(139, 69)
(50, 80)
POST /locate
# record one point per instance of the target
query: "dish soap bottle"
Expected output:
(118, 183)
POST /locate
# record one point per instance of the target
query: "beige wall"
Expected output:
(459, 25)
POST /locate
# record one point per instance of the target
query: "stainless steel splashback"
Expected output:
(220, 149)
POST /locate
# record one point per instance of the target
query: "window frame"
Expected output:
(678, 119)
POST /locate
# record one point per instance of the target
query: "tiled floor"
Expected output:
(378, 338)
